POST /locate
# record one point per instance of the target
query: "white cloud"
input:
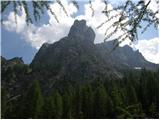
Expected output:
(149, 49)
(54, 31)
(98, 18)
(153, 5)
(11, 25)
(50, 33)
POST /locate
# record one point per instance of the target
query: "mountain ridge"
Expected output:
(80, 35)
(74, 57)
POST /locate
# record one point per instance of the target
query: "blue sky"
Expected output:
(12, 45)
(15, 44)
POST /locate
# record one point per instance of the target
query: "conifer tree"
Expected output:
(67, 106)
(77, 103)
(87, 101)
(58, 105)
(33, 101)
(48, 108)
(3, 103)
(100, 102)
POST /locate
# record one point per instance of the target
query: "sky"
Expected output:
(20, 40)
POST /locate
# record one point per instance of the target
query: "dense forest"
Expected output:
(133, 96)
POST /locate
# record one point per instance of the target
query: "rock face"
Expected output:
(81, 31)
(124, 57)
(11, 62)
(76, 57)
(14, 75)
(73, 59)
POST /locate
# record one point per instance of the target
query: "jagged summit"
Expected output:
(82, 31)
(79, 33)
(76, 57)
(13, 61)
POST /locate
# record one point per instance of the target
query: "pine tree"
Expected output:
(58, 105)
(33, 101)
(52, 107)
(117, 99)
(131, 95)
(3, 103)
(67, 106)
(100, 97)
(48, 109)
(87, 101)
(109, 107)
(77, 103)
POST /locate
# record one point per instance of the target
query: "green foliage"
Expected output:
(135, 96)
(67, 105)
(32, 101)
(87, 101)
(52, 107)
(48, 108)
(58, 104)
(100, 97)
(3, 103)
(77, 103)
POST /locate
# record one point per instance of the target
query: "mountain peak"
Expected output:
(76, 57)
(80, 30)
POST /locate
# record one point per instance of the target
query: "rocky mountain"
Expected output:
(74, 58)
(124, 57)
(11, 62)
(75, 78)
(77, 57)
(15, 76)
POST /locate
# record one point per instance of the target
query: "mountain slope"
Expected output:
(15, 76)
(124, 57)
(75, 78)
(75, 57)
